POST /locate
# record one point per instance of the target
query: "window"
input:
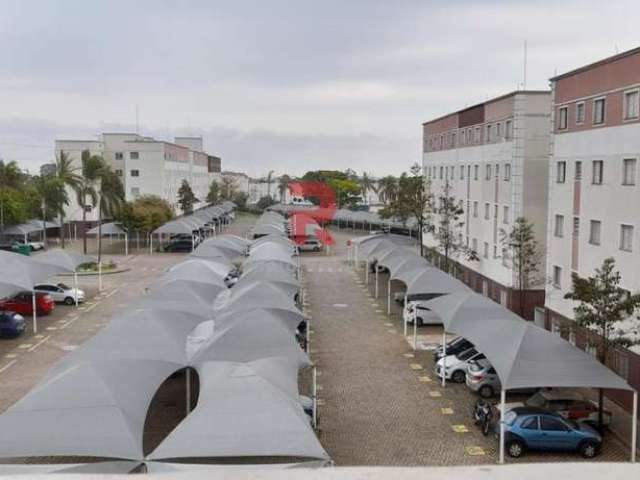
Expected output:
(596, 177)
(475, 172)
(576, 226)
(488, 133)
(505, 214)
(134, 155)
(558, 229)
(498, 130)
(118, 172)
(461, 172)
(551, 424)
(577, 174)
(453, 172)
(561, 172)
(557, 276)
(495, 251)
(495, 212)
(453, 139)
(497, 170)
(119, 156)
(563, 113)
(508, 129)
(507, 172)
(475, 209)
(629, 171)
(598, 111)
(487, 172)
(486, 250)
(595, 227)
(631, 105)
(626, 238)
(135, 173)
(486, 211)
(580, 112)
(477, 135)
(135, 191)
(475, 244)
(530, 423)
(441, 172)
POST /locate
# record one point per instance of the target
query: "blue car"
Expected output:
(532, 428)
(11, 324)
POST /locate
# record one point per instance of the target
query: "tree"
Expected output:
(11, 179)
(110, 199)
(240, 199)
(283, 186)
(68, 176)
(145, 214)
(87, 188)
(520, 248)
(366, 185)
(387, 189)
(603, 305)
(52, 195)
(448, 228)
(186, 197)
(214, 193)
(229, 188)
(265, 202)
(269, 176)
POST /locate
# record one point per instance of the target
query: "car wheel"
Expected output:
(69, 301)
(515, 448)
(486, 391)
(458, 376)
(588, 449)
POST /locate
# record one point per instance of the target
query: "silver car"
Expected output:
(60, 293)
(482, 378)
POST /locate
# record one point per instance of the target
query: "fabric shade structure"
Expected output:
(20, 273)
(111, 228)
(201, 270)
(434, 280)
(174, 227)
(271, 251)
(270, 272)
(103, 417)
(245, 410)
(177, 288)
(523, 354)
(215, 251)
(233, 242)
(66, 260)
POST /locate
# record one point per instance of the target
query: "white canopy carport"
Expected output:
(111, 229)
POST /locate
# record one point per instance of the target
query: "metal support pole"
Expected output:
(150, 243)
(35, 315)
(126, 244)
(388, 296)
(404, 316)
(188, 399)
(376, 281)
(366, 272)
(415, 328)
(75, 285)
(444, 357)
(502, 407)
(634, 427)
(100, 276)
(315, 397)
(193, 242)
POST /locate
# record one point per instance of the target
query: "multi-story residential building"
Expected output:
(494, 157)
(239, 180)
(594, 196)
(147, 166)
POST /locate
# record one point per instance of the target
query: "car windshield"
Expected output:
(536, 400)
(63, 286)
(467, 354)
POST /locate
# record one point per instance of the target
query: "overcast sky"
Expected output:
(281, 85)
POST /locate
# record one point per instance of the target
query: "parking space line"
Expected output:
(424, 379)
(474, 451)
(446, 411)
(10, 355)
(8, 365)
(25, 345)
(92, 307)
(435, 394)
(39, 343)
(415, 366)
(69, 322)
(459, 428)
(112, 292)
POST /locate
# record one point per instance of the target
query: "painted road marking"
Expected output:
(319, 387)
(69, 348)
(435, 394)
(8, 365)
(446, 411)
(388, 324)
(379, 311)
(92, 307)
(392, 330)
(320, 402)
(71, 320)
(474, 451)
(415, 366)
(25, 346)
(408, 355)
(112, 292)
(39, 343)
(38, 336)
(340, 305)
(424, 379)
(459, 428)
(11, 355)
(52, 328)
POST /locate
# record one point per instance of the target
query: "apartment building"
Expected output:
(494, 158)
(147, 166)
(594, 202)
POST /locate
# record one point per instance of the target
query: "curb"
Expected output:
(88, 274)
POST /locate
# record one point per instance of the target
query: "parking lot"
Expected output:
(380, 402)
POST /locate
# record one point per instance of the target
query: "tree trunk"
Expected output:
(84, 230)
(61, 217)
(99, 232)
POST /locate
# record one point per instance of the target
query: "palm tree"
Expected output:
(387, 189)
(366, 184)
(111, 199)
(67, 176)
(86, 190)
(269, 175)
(283, 186)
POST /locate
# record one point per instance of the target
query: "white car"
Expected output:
(61, 293)
(424, 314)
(455, 366)
(310, 245)
(34, 245)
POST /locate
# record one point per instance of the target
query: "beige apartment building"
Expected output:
(494, 157)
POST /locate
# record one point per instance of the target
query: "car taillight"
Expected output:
(477, 377)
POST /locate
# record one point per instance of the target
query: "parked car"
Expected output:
(483, 379)
(232, 278)
(178, 246)
(61, 293)
(185, 236)
(422, 313)
(11, 324)
(22, 303)
(307, 404)
(569, 405)
(34, 245)
(453, 347)
(310, 245)
(533, 428)
(455, 366)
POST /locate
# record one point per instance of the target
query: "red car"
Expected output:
(22, 303)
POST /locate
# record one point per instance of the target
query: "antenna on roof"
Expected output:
(524, 80)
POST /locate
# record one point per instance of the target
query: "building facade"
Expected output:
(593, 184)
(146, 166)
(493, 157)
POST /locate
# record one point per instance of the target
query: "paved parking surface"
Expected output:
(380, 403)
